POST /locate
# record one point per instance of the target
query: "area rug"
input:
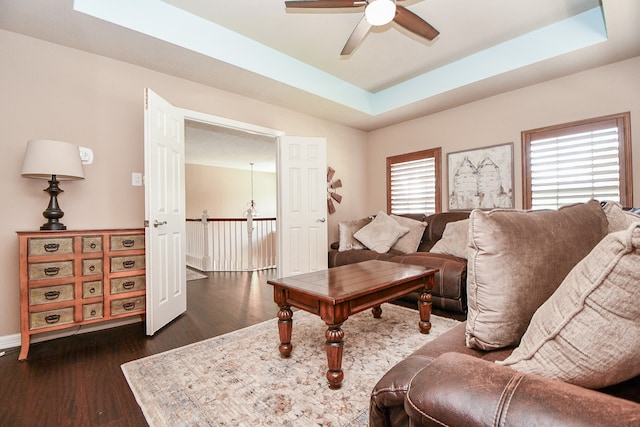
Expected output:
(239, 379)
(194, 275)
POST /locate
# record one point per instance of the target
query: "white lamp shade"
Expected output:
(44, 158)
(380, 12)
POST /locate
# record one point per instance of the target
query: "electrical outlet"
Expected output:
(136, 179)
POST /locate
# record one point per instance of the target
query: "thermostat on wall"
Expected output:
(86, 155)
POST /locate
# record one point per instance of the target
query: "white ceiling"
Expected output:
(291, 58)
(210, 145)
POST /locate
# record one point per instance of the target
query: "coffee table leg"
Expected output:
(285, 324)
(334, 346)
(377, 311)
(424, 305)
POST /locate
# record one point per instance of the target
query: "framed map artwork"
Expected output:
(481, 178)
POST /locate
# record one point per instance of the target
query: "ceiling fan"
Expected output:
(376, 12)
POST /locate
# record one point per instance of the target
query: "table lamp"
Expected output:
(55, 161)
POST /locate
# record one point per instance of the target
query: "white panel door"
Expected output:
(164, 212)
(302, 208)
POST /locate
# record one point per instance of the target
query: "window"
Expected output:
(574, 162)
(413, 182)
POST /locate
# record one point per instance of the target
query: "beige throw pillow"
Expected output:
(409, 242)
(381, 233)
(618, 218)
(588, 332)
(517, 259)
(455, 239)
(346, 229)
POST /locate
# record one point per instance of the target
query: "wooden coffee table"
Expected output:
(339, 292)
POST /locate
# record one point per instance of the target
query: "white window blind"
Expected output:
(575, 167)
(413, 186)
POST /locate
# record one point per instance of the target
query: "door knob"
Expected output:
(157, 223)
(321, 220)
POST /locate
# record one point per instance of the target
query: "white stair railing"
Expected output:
(231, 244)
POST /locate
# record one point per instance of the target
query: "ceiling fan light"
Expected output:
(380, 12)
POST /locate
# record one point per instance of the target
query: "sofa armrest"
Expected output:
(457, 387)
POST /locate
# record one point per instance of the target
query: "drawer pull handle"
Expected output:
(51, 295)
(51, 271)
(51, 247)
(52, 318)
(92, 290)
(128, 284)
(129, 305)
(128, 264)
(128, 243)
(93, 245)
(92, 267)
(93, 312)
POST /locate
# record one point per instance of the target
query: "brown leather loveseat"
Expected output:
(449, 292)
(445, 383)
(553, 299)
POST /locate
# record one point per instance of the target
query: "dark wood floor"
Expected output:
(77, 381)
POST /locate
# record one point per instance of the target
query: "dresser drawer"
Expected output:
(126, 263)
(49, 318)
(91, 266)
(127, 242)
(127, 305)
(49, 294)
(92, 311)
(128, 284)
(50, 246)
(91, 244)
(50, 270)
(92, 289)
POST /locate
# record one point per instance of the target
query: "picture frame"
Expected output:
(481, 178)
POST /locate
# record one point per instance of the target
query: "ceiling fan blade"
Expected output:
(323, 3)
(356, 36)
(412, 22)
(336, 197)
(337, 184)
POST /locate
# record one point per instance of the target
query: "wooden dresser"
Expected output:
(73, 278)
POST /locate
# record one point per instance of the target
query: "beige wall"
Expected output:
(500, 119)
(50, 91)
(226, 192)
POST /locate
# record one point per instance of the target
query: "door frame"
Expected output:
(244, 127)
(231, 124)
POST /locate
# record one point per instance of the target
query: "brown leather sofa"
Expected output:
(449, 291)
(447, 383)
(444, 383)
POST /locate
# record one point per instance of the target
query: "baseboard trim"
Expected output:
(8, 342)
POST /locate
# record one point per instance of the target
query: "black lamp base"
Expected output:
(53, 213)
(51, 225)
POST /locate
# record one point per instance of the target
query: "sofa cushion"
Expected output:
(618, 218)
(410, 241)
(346, 230)
(588, 332)
(436, 224)
(517, 259)
(381, 233)
(455, 239)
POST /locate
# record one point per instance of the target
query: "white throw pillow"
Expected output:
(381, 233)
(409, 242)
(346, 230)
(455, 239)
(618, 218)
(588, 332)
